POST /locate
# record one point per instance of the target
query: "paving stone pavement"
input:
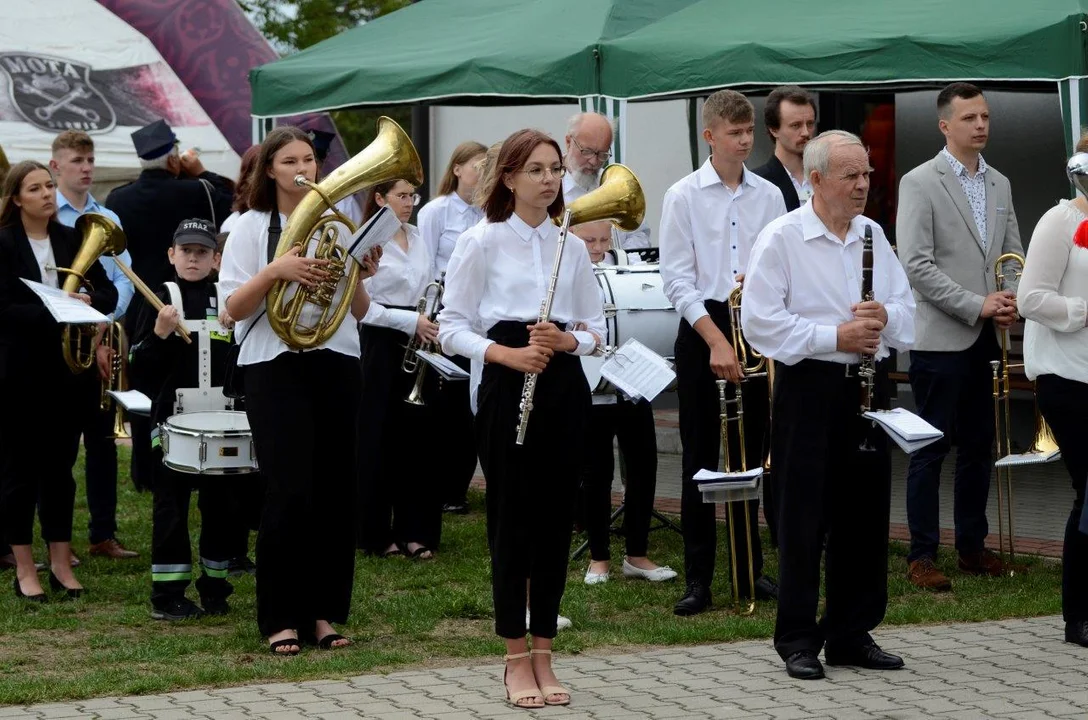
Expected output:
(1010, 669)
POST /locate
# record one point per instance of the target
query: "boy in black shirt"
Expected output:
(167, 364)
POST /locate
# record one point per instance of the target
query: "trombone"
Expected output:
(1043, 447)
(752, 365)
(432, 294)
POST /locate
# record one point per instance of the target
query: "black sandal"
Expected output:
(274, 647)
(419, 551)
(326, 643)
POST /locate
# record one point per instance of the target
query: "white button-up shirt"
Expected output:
(501, 271)
(400, 281)
(802, 281)
(707, 234)
(245, 254)
(67, 215)
(974, 188)
(441, 222)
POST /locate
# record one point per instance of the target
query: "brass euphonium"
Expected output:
(391, 156)
(4, 164)
(620, 200)
(100, 237)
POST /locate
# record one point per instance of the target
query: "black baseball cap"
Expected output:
(196, 231)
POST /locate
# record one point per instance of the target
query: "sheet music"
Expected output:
(1035, 458)
(448, 369)
(909, 431)
(64, 308)
(378, 230)
(637, 371)
(713, 476)
(132, 400)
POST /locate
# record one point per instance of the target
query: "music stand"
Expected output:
(613, 529)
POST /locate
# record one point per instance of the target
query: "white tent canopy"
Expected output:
(72, 64)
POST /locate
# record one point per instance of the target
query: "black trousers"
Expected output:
(141, 464)
(399, 491)
(456, 436)
(1062, 403)
(700, 436)
(100, 457)
(171, 558)
(632, 424)
(953, 392)
(530, 487)
(40, 446)
(303, 410)
(829, 490)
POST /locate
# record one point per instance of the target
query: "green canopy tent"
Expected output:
(606, 52)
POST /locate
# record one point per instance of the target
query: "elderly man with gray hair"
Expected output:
(588, 148)
(804, 307)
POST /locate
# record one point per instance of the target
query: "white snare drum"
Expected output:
(635, 307)
(216, 442)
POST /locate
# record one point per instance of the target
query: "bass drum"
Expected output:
(635, 307)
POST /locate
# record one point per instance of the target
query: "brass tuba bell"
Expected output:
(4, 164)
(619, 199)
(391, 156)
(101, 236)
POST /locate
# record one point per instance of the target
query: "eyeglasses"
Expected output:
(405, 197)
(537, 173)
(602, 155)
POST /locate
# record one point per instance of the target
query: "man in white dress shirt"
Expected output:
(588, 150)
(709, 222)
(803, 307)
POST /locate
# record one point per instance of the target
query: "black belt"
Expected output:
(848, 369)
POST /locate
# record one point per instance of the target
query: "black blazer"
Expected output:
(776, 172)
(30, 339)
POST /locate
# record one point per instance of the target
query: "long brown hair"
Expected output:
(461, 155)
(371, 206)
(13, 185)
(261, 195)
(245, 177)
(513, 155)
(486, 170)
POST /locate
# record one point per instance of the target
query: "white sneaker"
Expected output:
(659, 574)
(593, 578)
(561, 623)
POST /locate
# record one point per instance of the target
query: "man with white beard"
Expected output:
(588, 149)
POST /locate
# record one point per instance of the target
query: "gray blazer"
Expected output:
(942, 253)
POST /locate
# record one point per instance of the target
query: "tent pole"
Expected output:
(421, 138)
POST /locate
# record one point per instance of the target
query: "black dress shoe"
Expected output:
(868, 655)
(1077, 632)
(58, 586)
(39, 598)
(695, 600)
(804, 665)
(766, 589)
(456, 508)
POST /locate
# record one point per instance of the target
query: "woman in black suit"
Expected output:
(39, 430)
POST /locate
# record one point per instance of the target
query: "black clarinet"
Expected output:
(867, 369)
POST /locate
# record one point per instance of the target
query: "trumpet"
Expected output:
(411, 362)
(619, 199)
(391, 156)
(1043, 441)
(117, 380)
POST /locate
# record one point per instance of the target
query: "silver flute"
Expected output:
(528, 390)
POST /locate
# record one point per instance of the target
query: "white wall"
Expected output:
(656, 148)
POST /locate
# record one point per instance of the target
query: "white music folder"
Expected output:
(64, 308)
(132, 400)
(909, 431)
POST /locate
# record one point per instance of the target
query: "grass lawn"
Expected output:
(404, 612)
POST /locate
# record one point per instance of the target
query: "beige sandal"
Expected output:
(552, 689)
(516, 698)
